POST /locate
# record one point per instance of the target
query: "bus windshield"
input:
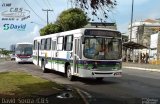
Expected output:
(24, 49)
(102, 48)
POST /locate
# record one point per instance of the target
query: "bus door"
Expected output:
(38, 47)
(36, 51)
(76, 54)
(53, 57)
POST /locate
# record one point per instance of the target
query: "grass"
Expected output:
(23, 84)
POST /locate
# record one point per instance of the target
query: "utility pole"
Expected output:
(133, 55)
(130, 31)
(131, 21)
(47, 10)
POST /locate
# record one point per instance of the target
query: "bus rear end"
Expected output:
(24, 53)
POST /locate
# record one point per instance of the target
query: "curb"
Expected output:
(138, 68)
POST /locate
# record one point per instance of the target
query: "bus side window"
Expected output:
(43, 44)
(35, 45)
(48, 44)
(60, 43)
(54, 45)
(68, 43)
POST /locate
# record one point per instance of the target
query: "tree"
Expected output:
(96, 7)
(72, 19)
(5, 52)
(50, 29)
(69, 19)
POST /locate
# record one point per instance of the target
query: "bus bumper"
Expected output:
(96, 74)
(24, 60)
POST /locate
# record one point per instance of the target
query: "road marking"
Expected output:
(82, 96)
(86, 93)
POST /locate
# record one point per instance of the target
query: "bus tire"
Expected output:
(43, 67)
(99, 79)
(68, 73)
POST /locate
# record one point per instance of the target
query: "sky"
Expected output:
(26, 25)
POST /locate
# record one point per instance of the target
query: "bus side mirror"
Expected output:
(83, 41)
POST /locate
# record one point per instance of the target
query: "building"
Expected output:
(142, 33)
(155, 46)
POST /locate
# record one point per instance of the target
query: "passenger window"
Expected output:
(60, 43)
(48, 44)
(43, 44)
(54, 45)
(35, 45)
(68, 42)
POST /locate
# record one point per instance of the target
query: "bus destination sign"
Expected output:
(107, 33)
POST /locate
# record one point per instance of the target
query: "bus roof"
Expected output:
(24, 43)
(80, 30)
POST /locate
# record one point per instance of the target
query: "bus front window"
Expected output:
(24, 49)
(102, 48)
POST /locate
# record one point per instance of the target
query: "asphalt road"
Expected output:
(135, 87)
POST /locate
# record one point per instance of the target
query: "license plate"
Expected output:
(24, 59)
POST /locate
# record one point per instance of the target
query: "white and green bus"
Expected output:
(86, 52)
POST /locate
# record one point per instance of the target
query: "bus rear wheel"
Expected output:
(68, 73)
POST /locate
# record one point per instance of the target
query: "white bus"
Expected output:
(86, 52)
(23, 52)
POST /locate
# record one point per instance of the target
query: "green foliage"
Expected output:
(96, 8)
(68, 20)
(50, 29)
(72, 19)
(42, 31)
(5, 52)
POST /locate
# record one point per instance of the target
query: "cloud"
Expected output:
(30, 36)
(12, 37)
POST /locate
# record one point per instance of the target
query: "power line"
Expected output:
(34, 12)
(38, 4)
(38, 24)
(47, 5)
(51, 7)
